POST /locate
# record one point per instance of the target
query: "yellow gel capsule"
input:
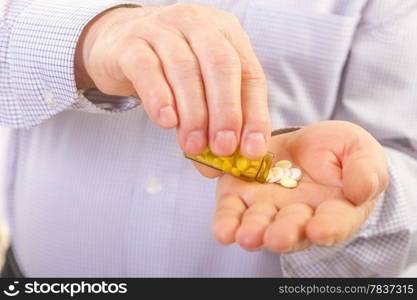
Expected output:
(209, 158)
(242, 164)
(235, 172)
(206, 151)
(255, 163)
(227, 165)
(237, 165)
(217, 162)
(251, 172)
(228, 158)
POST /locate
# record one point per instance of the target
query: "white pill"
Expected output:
(295, 173)
(286, 173)
(286, 164)
(288, 182)
(269, 177)
(273, 180)
(277, 173)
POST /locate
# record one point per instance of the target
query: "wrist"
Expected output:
(87, 39)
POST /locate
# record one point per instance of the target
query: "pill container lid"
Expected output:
(266, 165)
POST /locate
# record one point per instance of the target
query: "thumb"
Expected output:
(365, 173)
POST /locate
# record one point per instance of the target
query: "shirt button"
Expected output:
(153, 186)
(49, 99)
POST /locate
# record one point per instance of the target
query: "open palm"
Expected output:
(344, 173)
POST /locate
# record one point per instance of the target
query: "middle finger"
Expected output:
(183, 73)
(221, 71)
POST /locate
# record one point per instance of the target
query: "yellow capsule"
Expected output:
(209, 158)
(217, 162)
(285, 164)
(235, 172)
(228, 158)
(296, 173)
(251, 172)
(227, 165)
(255, 163)
(206, 151)
(237, 165)
(242, 164)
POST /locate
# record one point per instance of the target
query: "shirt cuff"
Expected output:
(41, 55)
(94, 101)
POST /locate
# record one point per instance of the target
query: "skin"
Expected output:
(199, 61)
(194, 69)
(344, 174)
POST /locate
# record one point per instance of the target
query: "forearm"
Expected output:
(38, 42)
(87, 39)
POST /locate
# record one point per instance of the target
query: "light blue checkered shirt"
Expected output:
(98, 190)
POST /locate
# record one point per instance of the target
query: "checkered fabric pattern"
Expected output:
(37, 58)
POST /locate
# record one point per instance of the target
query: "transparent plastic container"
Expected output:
(237, 165)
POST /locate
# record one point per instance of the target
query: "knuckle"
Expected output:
(232, 19)
(145, 62)
(222, 59)
(245, 37)
(260, 217)
(384, 178)
(188, 64)
(159, 97)
(196, 122)
(254, 78)
(263, 209)
(218, 59)
(235, 117)
(232, 109)
(185, 10)
(113, 70)
(261, 121)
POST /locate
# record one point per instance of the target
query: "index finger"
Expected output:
(221, 71)
(254, 93)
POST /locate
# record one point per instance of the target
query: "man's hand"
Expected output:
(193, 68)
(345, 172)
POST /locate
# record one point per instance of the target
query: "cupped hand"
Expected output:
(192, 66)
(344, 174)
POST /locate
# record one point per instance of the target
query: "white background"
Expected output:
(411, 272)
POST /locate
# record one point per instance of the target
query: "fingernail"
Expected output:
(255, 144)
(196, 142)
(167, 117)
(225, 142)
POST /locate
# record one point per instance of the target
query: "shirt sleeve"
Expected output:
(38, 39)
(378, 92)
